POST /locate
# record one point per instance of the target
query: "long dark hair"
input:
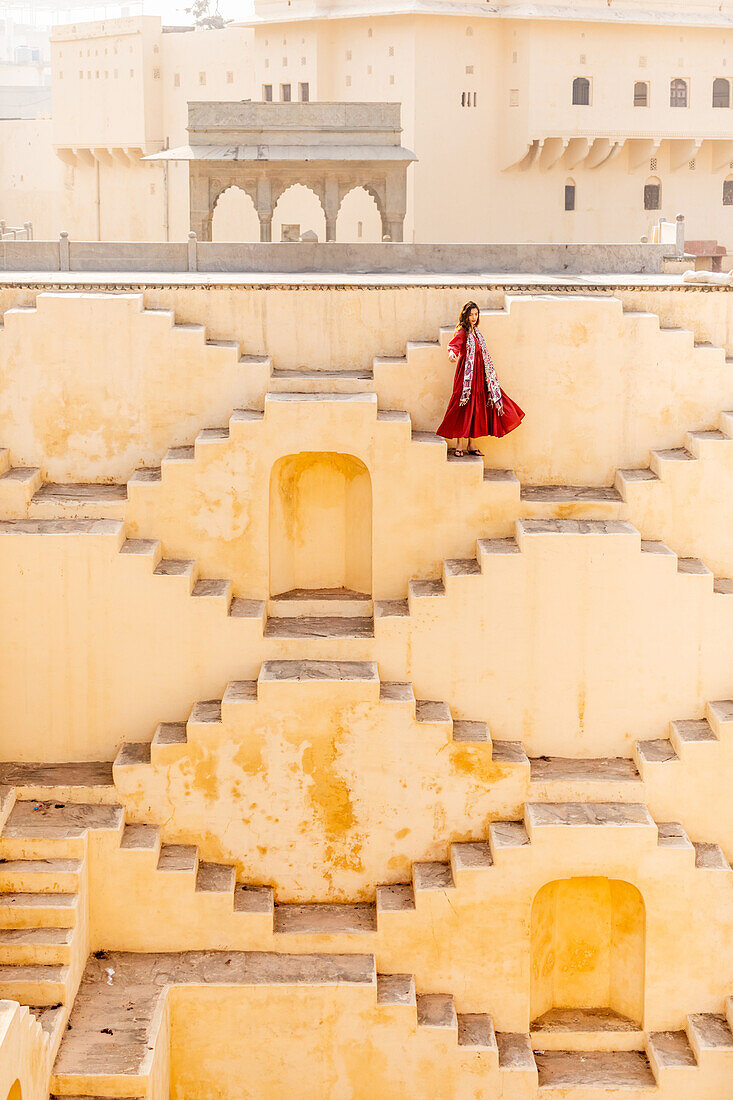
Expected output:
(463, 321)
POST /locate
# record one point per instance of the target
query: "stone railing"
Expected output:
(16, 233)
(314, 258)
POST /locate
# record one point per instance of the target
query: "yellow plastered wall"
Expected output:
(313, 788)
(24, 1054)
(92, 385)
(422, 508)
(320, 523)
(443, 941)
(350, 1046)
(588, 947)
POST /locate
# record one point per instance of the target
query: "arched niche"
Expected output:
(234, 218)
(320, 523)
(359, 211)
(299, 205)
(16, 1093)
(588, 943)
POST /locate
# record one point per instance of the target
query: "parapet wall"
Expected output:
(359, 259)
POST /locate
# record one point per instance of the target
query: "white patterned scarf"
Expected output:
(491, 380)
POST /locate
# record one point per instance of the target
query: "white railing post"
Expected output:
(63, 251)
(193, 259)
(680, 234)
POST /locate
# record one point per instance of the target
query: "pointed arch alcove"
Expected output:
(588, 945)
(234, 216)
(320, 523)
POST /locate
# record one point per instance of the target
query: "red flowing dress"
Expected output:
(479, 416)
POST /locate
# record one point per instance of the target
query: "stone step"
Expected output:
(602, 1070)
(672, 836)
(433, 712)
(254, 900)
(80, 501)
(216, 878)
(399, 898)
(516, 1057)
(571, 501)
(468, 857)
(141, 838)
(312, 627)
(688, 737)
(178, 858)
(34, 946)
(436, 1010)
(585, 1029)
(29, 910)
(65, 782)
(710, 857)
(476, 1032)
(34, 985)
(214, 590)
(557, 820)
(668, 1052)
(432, 876)
(467, 732)
(324, 920)
(320, 381)
(396, 989)
(17, 487)
(320, 603)
(132, 754)
(710, 1033)
(40, 875)
(168, 738)
(507, 838)
(562, 779)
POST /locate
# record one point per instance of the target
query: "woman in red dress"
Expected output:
(478, 405)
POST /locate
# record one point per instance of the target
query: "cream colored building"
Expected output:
(530, 122)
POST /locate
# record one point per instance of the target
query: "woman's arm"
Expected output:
(457, 344)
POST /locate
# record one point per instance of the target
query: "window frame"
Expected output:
(584, 83)
(653, 184)
(721, 80)
(646, 86)
(679, 80)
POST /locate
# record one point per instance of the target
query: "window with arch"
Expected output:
(678, 92)
(728, 191)
(653, 194)
(721, 92)
(581, 91)
(641, 93)
(570, 194)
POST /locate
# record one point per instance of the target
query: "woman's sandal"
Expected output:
(479, 454)
(458, 453)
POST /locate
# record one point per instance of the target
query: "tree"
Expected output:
(206, 14)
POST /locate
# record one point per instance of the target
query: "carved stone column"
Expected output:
(331, 206)
(264, 208)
